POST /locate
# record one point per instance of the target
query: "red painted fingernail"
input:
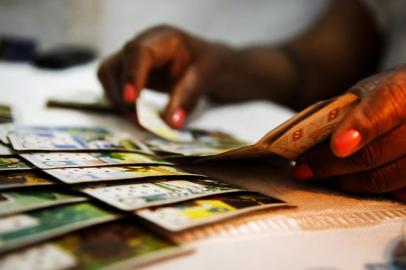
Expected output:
(178, 118)
(302, 171)
(345, 143)
(129, 93)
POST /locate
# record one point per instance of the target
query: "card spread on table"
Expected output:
(113, 245)
(52, 160)
(11, 163)
(18, 179)
(64, 138)
(24, 229)
(15, 201)
(142, 195)
(188, 214)
(82, 175)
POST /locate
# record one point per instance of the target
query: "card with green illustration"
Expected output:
(94, 174)
(114, 245)
(63, 138)
(14, 164)
(5, 113)
(17, 201)
(19, 179)
(136, 196)
(23, 229)
(52, 160)
(188, 214)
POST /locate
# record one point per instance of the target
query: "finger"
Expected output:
(378, 112)
(387, 178)
(183, 98)
(320, 162)
(137, 63)
(109, 73)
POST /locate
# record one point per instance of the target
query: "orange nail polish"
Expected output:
(302, 171)
(178, 118)
(129, 94)
(345, 143)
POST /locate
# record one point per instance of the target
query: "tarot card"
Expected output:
(195, 149)
(13, 164)
(82, 175)
(51, 160)
(24, 179)
(188, 214)
(136, 196)
(24, 229)
(12, 202)
(114, 245)
(150, 119)
(65, 138)
(5, 129)
(298, 134)
(5, 113)
(83, 100)
(6, 151)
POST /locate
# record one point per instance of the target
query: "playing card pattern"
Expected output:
(136, 196)
(82, 178)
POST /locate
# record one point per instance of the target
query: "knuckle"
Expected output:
(101, 71)
(365, 119)
(159, 32)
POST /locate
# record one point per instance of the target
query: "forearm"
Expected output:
(336, 52)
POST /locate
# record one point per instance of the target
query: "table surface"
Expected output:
(328, 230)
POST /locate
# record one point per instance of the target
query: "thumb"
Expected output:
(183, 98)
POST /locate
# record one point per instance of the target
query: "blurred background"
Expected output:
(106, 24)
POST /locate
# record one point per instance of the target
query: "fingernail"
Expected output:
(302, 171)
(345, 143)
(178, 118)
(129, 94)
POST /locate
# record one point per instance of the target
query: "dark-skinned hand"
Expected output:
(367, 150)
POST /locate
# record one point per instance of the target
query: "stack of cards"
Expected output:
(69, 196)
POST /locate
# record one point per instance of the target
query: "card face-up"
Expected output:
(6, 150)
(114, 245)
(13, 164)
(18, 179)
(24, 229)
(136, 196)
(188, 214)
(82, 175)
(150, 119)
(5, 113)
(197, 149)
(51, 160)
(64, 138)
(12, 202)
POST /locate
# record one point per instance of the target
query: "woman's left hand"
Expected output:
(367, 151)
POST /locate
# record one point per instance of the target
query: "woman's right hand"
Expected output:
(166, 59)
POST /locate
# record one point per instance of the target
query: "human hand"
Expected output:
(367, 151)
(166, 59)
